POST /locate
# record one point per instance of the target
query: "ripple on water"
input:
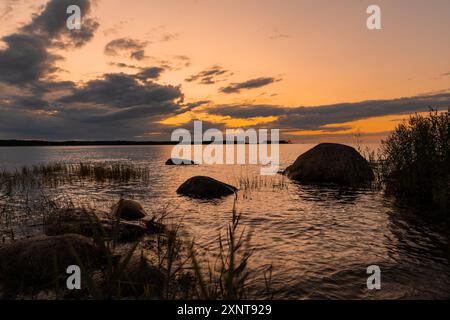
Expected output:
(320, 239)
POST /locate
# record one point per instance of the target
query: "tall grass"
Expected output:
(182, 272)
(229, 277)
(55, 174)
(416, 160)
(250, 182)
(373, 157)
(112, 274)
(186, 275)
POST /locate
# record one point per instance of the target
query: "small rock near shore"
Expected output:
(129, 210)
(205, 188)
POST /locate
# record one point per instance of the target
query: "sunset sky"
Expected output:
(139, 69)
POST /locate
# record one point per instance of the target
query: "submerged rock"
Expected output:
(331, 163)
(205, 188)
(39, 263)
(179, 162)
(129, 210)
(90, 223)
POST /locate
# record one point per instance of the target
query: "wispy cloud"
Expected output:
(211, 75)
(249, 84)
(131, 48)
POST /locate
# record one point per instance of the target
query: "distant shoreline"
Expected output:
(41, 143)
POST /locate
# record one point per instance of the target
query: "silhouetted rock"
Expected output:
(74, 220)
(129, 230)
(37, 263)
(129, 210)
(331, 163)
(89, 223)
(205, 188)
(179, 162)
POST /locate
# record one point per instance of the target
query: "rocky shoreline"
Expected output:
(81, 237)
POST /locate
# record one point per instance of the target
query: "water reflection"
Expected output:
(320, 239)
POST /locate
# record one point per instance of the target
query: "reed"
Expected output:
(229, 278)
(186, 276)
(56, 174)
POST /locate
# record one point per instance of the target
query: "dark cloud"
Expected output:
(196, 104)
(248, 111)
(210, 75)
(34, 104)
(50, 24)
(150, 73)
(138, 55)
(123, 65)
(23, 102)
(445, 74)
(116, 106)
(137, 112)
(122, 91)
(144, 74)
(26, 58)
(250, 84)
(132, 48)
(314, 118)
(24, 124)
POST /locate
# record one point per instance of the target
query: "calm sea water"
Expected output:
(320, 240)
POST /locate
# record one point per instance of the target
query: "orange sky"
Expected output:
(319, 52)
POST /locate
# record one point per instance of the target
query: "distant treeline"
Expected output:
(40, 143)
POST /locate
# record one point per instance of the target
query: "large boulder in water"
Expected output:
(37, 263)
(331, 163)
(205, 188)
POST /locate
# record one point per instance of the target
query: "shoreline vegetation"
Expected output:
(123, 257)
(412, 165)
(415, 161)
(159, 264)
(42, 143)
